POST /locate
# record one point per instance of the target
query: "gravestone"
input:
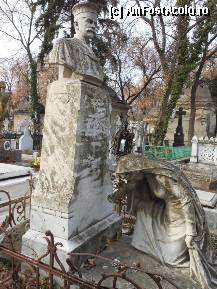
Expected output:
(26, 142)
(14, 180)
(8, 150)
(179, 135)
(70, 197)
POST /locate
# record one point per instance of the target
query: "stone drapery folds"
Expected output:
(171, 224)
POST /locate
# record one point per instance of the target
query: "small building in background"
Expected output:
(22, 116)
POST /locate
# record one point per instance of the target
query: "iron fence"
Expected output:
(49, 265)
(37, 141)
(167, 152)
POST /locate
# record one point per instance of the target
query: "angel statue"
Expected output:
(170, 221)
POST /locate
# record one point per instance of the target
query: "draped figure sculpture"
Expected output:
(170, 221)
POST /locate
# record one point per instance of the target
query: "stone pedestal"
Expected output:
(74, 181)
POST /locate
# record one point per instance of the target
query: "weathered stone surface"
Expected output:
(207, 199)
(70, 198)
(90, 240)
(74, 177)
(26, 142)
(79, 58)
(202, 176)
(211, 215)
(8, 171)
(171, 224)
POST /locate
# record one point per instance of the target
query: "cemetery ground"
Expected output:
(119, 251)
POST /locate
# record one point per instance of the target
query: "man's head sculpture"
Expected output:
(85, 17)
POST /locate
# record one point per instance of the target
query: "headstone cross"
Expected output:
(180, 114)
(179, 136)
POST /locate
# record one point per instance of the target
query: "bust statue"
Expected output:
(74, 55)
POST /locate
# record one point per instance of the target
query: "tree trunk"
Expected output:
(192, 113)
(162, 123)
(172, 94)
(35, 109)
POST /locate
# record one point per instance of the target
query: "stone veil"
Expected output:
(171, 224)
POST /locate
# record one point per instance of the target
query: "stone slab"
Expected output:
(17, 188)
(90, 240)
(211, 216)
(8, 171)
(202, 176)
(74, 179)
(207, 199)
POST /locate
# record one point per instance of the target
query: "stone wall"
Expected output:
(20, 118)
(204, 150)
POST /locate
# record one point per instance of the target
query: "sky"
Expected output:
(8, 46)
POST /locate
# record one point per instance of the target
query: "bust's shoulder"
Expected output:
(69, 41)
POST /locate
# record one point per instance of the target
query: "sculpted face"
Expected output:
(85, 26)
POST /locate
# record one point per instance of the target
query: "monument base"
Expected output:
(90, 240)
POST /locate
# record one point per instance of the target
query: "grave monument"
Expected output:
(70, 197)
(179, 135)
(171, 224)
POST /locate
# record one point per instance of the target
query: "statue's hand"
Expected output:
(189, 241)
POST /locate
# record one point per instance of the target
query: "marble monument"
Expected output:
(70, 197)
(170, 222)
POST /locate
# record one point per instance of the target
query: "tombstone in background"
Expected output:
(8, 150)
(70, 197)
(179, 135)
(26, 142)
(139, 136)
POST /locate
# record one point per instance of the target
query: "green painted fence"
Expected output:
(167, 152)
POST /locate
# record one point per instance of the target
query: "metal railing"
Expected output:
(49, 265)
(167, 152)
(37, 141)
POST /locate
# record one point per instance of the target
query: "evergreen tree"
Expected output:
(55, 14)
